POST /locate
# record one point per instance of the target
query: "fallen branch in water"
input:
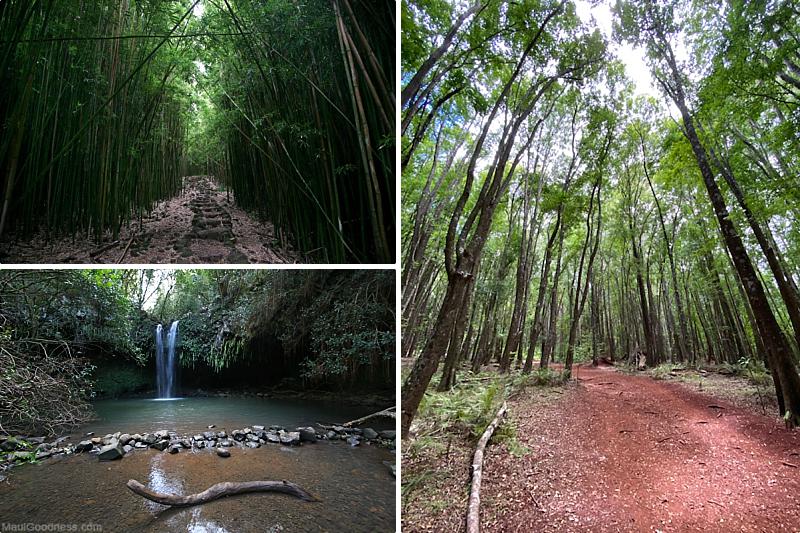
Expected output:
(220, 490)
(474, 507)
(387, 413)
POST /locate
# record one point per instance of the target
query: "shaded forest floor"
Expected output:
(200, 225)
(618, 452)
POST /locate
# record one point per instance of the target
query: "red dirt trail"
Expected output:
(627, 453)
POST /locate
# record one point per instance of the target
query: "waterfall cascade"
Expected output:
(166, 365)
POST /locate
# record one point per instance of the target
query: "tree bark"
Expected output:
(474, 505)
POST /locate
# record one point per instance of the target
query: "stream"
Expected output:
(356, 490)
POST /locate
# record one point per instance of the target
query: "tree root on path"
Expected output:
(474, 506)
(220, 490)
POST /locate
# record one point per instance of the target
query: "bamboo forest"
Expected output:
(600, 265)
(205, 131)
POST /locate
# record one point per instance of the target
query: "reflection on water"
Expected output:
(193, 415)
(160, 482)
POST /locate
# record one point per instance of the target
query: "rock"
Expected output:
(247, 431)
(238, 434)
(225, 443)
(90, 434)
(370, 434)
(388, 434)
(140, 445)
(45, 446)
(277, 428)
(222, 434)
(338, 429)
(175, 448)
(251, 444)
(127, 449)
(160, 445)
(208, 435)
(186, 443)
(223, 452)
(161, 434)
(307, 434)
(353, 441)
(43, 455)
(97, 441)
(211, 444)
(211, 426)
(136, 437)
(252, 437)
(117, 435)
(273, 437)
(84, 446)
(59, 440)
(35, 440)
(149, 438)
(330, 435)
(291, 437)
(258, 428)
(200, 444)
(111, 452)
(198, 437)
(125, 439)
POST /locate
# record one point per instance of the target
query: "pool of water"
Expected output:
(354, 487)
(192, 415)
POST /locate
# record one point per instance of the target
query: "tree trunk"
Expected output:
(779, 353)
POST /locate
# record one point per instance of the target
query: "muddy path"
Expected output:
(627, 453)
(200, 225)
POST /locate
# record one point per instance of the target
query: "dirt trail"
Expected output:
(200, 225)
(627, 453)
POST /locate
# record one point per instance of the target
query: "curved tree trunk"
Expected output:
(220, 490)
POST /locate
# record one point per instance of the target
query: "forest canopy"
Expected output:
(553, 210)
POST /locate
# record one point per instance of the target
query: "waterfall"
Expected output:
(160, 368)
(166, 364)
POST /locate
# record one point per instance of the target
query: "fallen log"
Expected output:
(387, 413)
(104, 248)
(220, 490)
(474, 506)
(125, 251)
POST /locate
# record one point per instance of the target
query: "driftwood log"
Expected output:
(220, 490)
(386, 413)
(474, 506)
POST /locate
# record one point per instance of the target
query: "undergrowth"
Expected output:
(468, 408)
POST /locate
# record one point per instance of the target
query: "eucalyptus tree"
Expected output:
(523, 86)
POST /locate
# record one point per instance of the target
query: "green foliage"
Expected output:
(468, 408)
(337, 327)
(98, 126)
(301, 128)
(662, 371)
(115, 379)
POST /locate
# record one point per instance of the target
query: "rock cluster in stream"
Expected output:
(22, 449)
